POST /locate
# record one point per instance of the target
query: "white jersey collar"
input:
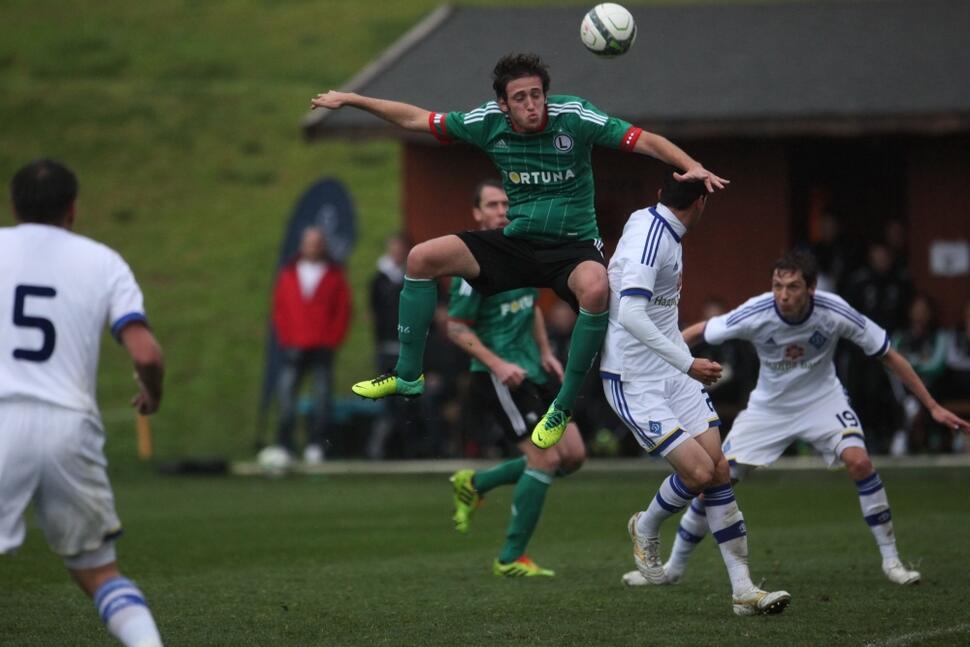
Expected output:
(671, 219)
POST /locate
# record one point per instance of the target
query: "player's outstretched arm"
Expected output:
(550, 363)
(901, 367)
(666, 151)
(146, 354)
(465, 338)
(694, 333)
(398, 113)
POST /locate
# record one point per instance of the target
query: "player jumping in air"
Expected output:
(511, 362)
(657, 388)
(57, 292)
(795, 329)
(542, 145)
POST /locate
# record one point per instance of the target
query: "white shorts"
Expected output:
(661, 413)
(759, 435)
(54, 456)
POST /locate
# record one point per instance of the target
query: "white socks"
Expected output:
(727, 526)
(671, 498)
(876, 512)
(123, 610)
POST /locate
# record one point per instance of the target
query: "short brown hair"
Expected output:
(799, 260)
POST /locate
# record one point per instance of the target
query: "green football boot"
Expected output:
(467, 499)
(522, 567)
(389, 384)
(551, 427)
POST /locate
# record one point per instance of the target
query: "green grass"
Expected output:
(372, 560)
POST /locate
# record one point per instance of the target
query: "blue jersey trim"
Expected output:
(753, 309)
(606, 375)
(811, 309)
(843, 310)
(882, 349)
(653, 233)
(636, 292)
(665, 223)
(129, 318)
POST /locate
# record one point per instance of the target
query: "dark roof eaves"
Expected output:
(312, 121)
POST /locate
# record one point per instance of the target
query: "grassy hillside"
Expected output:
(181, 120)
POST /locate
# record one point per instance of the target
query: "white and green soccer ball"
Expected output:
(608, 30)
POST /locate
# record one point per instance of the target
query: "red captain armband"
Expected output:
(630, 138)
(438, 128)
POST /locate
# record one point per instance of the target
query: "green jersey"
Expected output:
(503, 322)
(548, 175)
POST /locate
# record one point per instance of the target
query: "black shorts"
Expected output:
(515, 410)
(509, 263)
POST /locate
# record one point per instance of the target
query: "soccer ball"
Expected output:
(274, 460)
(608, 30)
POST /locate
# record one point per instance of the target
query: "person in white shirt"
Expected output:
(57, 292)
(795, 329)
(657, 388)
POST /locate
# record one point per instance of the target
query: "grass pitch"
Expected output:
(372, 560)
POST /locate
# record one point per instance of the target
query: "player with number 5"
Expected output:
(58, 290)
(794, 329)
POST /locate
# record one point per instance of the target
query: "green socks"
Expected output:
(587, 338)
(502, 474)
(415, 312)
(530, 492)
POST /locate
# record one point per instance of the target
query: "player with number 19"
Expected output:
(795, 329)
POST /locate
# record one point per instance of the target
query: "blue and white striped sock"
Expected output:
(693, 528)
(878, 516)
(125, 613)
(727, 526)
(671, 498)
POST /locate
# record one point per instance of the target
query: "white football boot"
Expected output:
(761, 603)
(646, 555)
(898, 573)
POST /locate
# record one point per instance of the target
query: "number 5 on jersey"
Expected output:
(22, 320)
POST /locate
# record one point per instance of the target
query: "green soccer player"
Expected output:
(542, 145)
(511, 361)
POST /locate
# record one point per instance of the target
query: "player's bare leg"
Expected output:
(877, 514)
(694, 471)
(589, 283)
(427, 261)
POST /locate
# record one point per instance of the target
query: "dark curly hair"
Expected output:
(517, 66)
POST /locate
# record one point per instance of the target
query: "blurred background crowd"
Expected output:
(446, 422)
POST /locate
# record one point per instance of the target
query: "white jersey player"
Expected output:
(795, 329)
(58, 291)
(655, 387)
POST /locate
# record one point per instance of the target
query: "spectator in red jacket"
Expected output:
(311, 312)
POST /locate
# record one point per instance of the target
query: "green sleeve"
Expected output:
(464, 301)
(468, 126)
(598, 128)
